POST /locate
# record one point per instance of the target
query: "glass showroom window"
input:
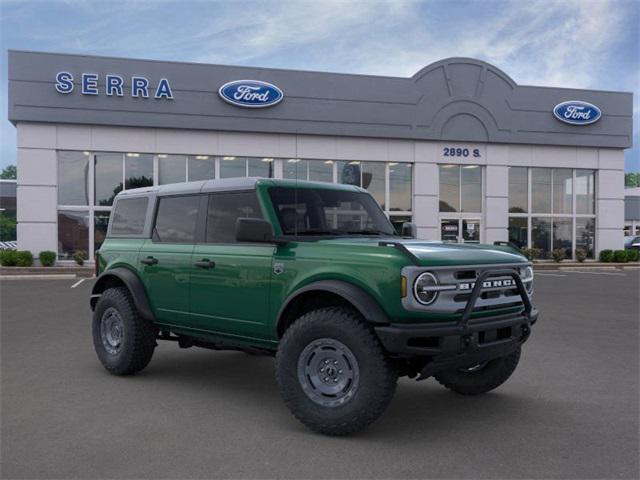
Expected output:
(389, 183)
(87, 184)
(246, 167)
(552, 209)
(460, 203)
(185, 168)
(313, 170)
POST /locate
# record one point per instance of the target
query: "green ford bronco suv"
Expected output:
(314, 274)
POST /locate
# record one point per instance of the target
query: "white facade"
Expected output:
(37, 192)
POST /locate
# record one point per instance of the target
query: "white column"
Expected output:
(496, 206)
(610, 200)
(426, 191)
(37, 193)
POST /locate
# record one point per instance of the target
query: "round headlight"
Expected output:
(528, 279)
(425, 289)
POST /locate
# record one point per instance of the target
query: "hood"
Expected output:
(437, 254)
(432, 253)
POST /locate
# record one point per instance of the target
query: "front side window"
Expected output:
(307, 211)
(129, 216)
(176, 219)
(223, 212)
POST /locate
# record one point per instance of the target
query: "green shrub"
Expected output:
(606, 256)
(558, 255)
(531, 253)
(8, 258)
(24, 258)
(80, 256)
(620, 256)
(633, 255)
(47, 258)
(581, 254)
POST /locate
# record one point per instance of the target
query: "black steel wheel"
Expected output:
(123, 341)
(480, 378)
(332, 372)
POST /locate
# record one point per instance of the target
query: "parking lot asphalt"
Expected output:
(569, 411)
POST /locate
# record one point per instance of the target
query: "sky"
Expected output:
(565, 43)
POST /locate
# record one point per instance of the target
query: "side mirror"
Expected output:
(254, 230)
(409, 230)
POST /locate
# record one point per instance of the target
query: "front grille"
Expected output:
(498, 292)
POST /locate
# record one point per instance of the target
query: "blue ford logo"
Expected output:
(250, 93)
(576, 112)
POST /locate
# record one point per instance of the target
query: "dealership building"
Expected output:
(459, 149)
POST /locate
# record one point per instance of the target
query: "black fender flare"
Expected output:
(132, 282)
(356, 296)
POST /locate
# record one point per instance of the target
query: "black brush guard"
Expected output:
(467, 342)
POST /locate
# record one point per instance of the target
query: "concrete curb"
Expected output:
(83, 272)
(586, 266)
(53, 276)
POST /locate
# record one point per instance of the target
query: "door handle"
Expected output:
(149, 261)
(205, 263)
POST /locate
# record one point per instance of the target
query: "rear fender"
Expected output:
(129, 279)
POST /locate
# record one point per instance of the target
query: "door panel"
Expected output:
(231, 297)
(167, 281)
(165, 260)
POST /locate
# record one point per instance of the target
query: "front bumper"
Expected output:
(466, 343)
(449, 346)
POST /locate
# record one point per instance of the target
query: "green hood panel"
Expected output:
(432, 253)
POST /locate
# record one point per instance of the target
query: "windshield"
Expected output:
(310, 211)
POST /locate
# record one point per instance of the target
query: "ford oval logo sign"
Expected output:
(577, 112)
(251, 93)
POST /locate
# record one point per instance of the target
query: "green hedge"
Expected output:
(558, 255)
(8, 258)
(16, 258)
(606, 256)
(633, 255)
(47, 258)
(620, 256)
(24, 258)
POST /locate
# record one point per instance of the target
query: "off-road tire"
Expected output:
(377, 374)
(138, 337)
(489, 377)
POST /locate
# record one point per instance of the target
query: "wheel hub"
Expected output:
(328, 372)
(111, 330)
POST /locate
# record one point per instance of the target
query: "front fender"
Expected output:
(361, 300)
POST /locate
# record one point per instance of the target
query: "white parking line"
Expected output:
(599, 273)
(78, 283)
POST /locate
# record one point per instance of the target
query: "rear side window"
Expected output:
(176, 219)
(129, 216)
(224, 210)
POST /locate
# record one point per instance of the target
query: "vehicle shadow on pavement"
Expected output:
(234, 379)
